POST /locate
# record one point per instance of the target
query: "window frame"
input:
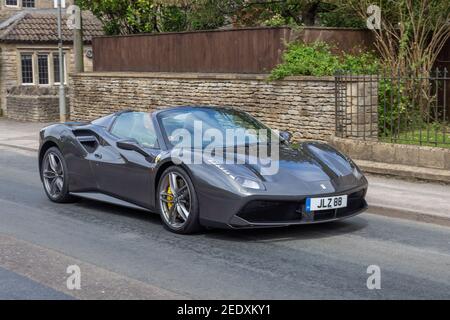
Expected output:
(35, 53)
(53, 54)
(17, 5)
(48, 55)
(22, 1)
(55, 4)
(32, 69)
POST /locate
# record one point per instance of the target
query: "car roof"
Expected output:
(106, 121)
(187, 107)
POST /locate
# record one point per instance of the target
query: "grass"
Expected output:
(422, 137)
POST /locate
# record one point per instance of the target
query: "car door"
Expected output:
(127, 174)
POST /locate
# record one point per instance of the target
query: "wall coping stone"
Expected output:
(23, 96)
(33, 90)
(401, 154)
(206, 76)
(387, 144)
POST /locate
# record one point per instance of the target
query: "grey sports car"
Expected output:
(128, 158)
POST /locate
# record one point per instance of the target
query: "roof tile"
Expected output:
(42, 27)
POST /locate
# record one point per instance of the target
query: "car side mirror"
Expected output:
(132, 145)
(286, 136)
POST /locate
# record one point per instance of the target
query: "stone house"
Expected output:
(10, 7)
(29, 60)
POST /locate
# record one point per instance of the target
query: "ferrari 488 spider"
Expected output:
(128, 158)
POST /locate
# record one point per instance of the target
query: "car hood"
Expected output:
(316, 168)
(312, 168)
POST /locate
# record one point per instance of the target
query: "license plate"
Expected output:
(318, 204)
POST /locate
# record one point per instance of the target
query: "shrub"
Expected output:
(317, 60)
(364, 63)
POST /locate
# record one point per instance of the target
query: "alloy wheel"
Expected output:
(175, 200)
(53, 175)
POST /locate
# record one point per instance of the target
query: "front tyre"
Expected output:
(177, 201)
(54, 174)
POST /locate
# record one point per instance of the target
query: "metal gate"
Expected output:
(398, 107)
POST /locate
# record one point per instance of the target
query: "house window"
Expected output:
(55, 3)
(56, 67)
(43, 68)
(28, 3)
(11, 3)
(27, 68)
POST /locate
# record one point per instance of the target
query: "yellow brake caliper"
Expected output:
(169, 198)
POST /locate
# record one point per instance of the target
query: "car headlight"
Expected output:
(249, 183)
(242, 181)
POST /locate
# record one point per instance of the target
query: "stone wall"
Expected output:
(31, 103)
(9, 71)
(303, 105)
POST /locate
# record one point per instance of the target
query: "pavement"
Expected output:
(413, 199)
(127, 254)
(23, 135)
(400, 198)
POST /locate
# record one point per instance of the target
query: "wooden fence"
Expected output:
(233, 51)
(341, 39)
(252, 50)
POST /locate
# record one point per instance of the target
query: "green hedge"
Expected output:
(317, 60)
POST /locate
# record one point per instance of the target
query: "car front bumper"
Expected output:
(264, 211)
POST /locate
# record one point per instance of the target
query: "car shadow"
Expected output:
(117, 210)
(300, 232)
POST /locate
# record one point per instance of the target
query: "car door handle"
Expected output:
(98, 155)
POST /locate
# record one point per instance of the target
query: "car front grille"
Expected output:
(268, 211)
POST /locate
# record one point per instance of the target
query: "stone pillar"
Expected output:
(360, 107)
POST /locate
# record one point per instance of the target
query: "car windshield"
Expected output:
(201, 127)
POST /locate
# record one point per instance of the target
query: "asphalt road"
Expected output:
(123, 253)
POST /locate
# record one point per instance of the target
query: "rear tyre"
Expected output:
(177, 201)
(55, 177)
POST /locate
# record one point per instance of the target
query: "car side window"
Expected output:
(138, 126)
